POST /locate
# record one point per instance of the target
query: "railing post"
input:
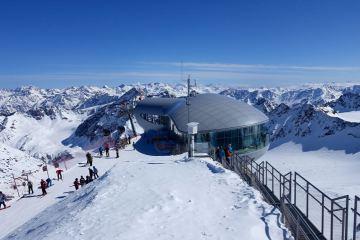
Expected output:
(307, 199)
(272, 179)
(281, 184)
(332, 220)
(290, 188)
(355, 217)
(266, 174)
(322, 212)
(347, 218)
(295, 183)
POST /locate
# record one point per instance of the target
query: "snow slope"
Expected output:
(24, 209)
(157, 197)
(353, 116)
(332, 171)
(14, 161)
(39, 138)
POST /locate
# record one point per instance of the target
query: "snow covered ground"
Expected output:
(334, 172)
(42, 137)
(147, 197)
(353, 116)
(24, 209)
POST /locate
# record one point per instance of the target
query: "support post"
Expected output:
(15, 185)
(355, 216)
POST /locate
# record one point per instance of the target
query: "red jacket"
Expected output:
(43, 184)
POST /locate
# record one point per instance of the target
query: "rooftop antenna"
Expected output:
(188, 113)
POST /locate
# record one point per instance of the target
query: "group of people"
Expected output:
(107, 150)
(224, 153)
(93, 171)
(120, 144)
(44, 184)
(93, 174)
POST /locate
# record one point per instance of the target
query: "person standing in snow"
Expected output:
(2, 199)
(101, 151)
(117, 150)
(228, 153)
(222, 154)
(217, 154)
(88, 180)
(89, 159)
(82, 181)
(30, 187)
(95, 172)
(49, 182)
(43, 186)
(91, 173)
(76, 184)
(107, 149)
(59, 174)
(129, 139)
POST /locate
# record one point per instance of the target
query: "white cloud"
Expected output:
(258, 67)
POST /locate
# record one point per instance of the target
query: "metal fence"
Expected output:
(356, 224)
(329, 215)
(307, 211)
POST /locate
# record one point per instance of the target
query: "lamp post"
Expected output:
(192, 130)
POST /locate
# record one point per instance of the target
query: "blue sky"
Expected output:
(251, 43)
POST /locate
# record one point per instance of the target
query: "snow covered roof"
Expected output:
(212, 112)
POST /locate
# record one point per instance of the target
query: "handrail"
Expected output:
(260, 175)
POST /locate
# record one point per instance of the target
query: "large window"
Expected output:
(155, 119)
(243, 139)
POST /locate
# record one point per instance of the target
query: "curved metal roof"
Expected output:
(213, 112)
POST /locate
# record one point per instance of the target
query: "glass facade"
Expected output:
(242, 140)
(155, 119)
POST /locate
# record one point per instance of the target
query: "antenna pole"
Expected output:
(188, 114)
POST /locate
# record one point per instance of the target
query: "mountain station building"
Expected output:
(222, 121)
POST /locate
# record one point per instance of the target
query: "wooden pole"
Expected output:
(15, 185)
(65, 164)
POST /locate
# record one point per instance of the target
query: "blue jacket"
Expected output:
(222, 153)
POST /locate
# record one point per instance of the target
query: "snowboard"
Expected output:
(82, 164)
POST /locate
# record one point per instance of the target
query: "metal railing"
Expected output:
(329, 215)
(356, 224)
(306, 210)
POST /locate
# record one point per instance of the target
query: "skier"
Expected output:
(129, 139)
(2, 199)
(43, 186)
(91, 173)
(107, 149)
(30, 187)
(49, 182)
(82, 181)
(59, 174)
(101, 151)
(76, 184)
(88, 180)
(95, 172)
(89, 159)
